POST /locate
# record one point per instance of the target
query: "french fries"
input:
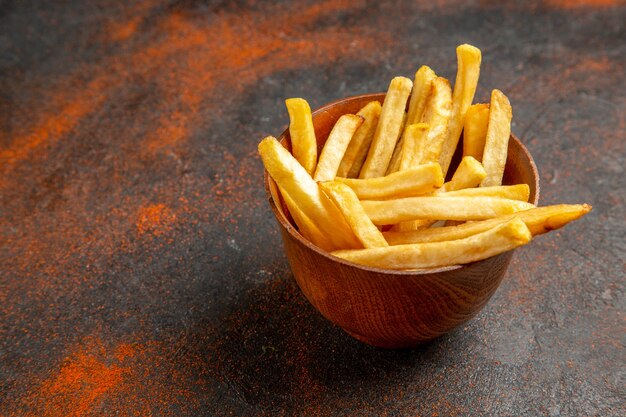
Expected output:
(303, 142)
(353, 212)
(440, 208)
(539, 220)
(421, 180)
(422, 86)
(468, 71)
(520, 192)
(410, 225)
(437, 116)
(384, 169)
(336, 146)
(497, 140)
(475, 130)
(307, 228)
(359, 145)
(394, 163)
(468, 174)
(388, 129)
(413, 145)
(492, 242)
(300, 187)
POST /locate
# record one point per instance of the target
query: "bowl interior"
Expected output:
(520, 168)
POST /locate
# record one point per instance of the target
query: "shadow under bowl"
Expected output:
(391, 308)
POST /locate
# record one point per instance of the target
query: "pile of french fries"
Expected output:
(376, 194)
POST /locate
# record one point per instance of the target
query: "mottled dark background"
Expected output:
(141, 272)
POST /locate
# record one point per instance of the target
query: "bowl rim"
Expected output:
(400, 272)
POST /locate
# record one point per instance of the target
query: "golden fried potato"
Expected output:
(494, 241)
(497, 141)
(437, 115)
(539, 221)
(335, 146)
(519, 192)
(420, 180)
(359, 145)
(468, 174)
(388, 130)
(422, 86)
(303, 143)
(475, 130)
(468, 71)
(290, 176)
(306, 227)
(350, 206)
(440, 208)
(413, 146)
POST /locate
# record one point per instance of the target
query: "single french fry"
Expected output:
(554, 217)
(394, 163)
(539, 220)
(302, 133)
(468, 174)
(420, 180)
(415, 137)
(520, 192)
(388, 129)
(350, 206)
(359, 145)
(335, 146)
(419, 95)
(499, 239)
(497, 140)
(290, 176)
(306, 227)
(468, 71)
(437, 115)
(440, 208)
(475, 130)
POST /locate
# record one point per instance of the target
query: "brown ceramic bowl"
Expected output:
(389, 308)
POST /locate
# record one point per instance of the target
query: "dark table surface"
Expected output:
(141, 270)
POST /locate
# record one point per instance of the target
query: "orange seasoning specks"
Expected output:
(188, 61)
(83, 380)
(156, 219)
(57, 124)
(124, 30)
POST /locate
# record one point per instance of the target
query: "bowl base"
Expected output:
(387, 344)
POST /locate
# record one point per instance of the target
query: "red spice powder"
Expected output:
(57, 124)
(120, 31)
(192, 59)
(168, 134)
(589, 64)
(156, 219)
(83, 379)
(125, 351)
(123, 380)
(232, 53)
